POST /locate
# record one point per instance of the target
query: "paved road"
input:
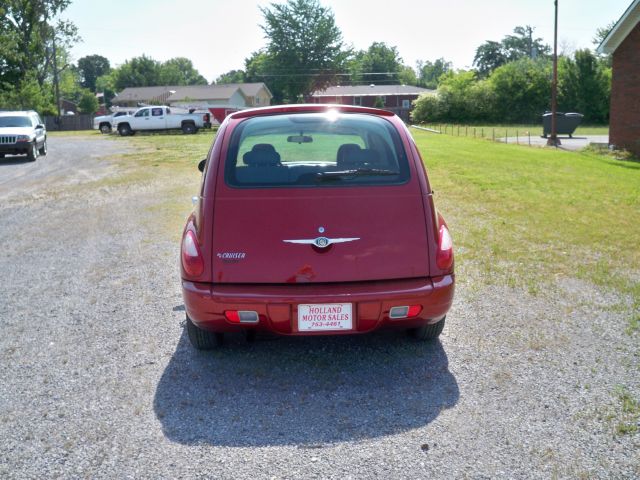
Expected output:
(97, 379)
(575, 143)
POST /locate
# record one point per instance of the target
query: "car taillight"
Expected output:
(444, 257)
(241, 316)
(408, 311)
(192, 261)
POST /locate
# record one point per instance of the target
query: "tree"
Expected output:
(30, 38)
(585, 86)
(522, 90)
(523, 45)
(407, 76)
(69, 84)
(106, 85)
(429, 73)
(259, 67)
(28, 28)
(488, 57)
(379, 64)
(88, 102)
(27, 94)
(91, 67)
(601, 34)
(138, 72)
(232, 76)
(304, 48)
(491, 55)
(180, 71)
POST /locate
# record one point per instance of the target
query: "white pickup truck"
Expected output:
(104, 123)
(160, 118)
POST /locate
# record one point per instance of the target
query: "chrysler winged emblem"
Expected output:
(321, 242)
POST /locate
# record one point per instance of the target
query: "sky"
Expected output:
(217, 35)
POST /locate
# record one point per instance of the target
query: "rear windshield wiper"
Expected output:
(357, 172)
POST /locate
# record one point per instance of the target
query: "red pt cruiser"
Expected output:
(315, 220)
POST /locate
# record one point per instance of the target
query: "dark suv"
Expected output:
(22, 133)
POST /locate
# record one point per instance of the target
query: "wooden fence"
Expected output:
(69, 122)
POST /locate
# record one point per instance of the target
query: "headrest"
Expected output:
(347, 156)
(262, 155)
(351, 155)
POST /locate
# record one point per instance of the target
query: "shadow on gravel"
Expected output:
(13, 160)
(305, 391)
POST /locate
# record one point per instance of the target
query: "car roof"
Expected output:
(309, 108)
(7, 113)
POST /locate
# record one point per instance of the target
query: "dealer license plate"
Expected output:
(325, 316)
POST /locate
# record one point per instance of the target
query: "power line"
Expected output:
(325, 73)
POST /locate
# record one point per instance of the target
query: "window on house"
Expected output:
(357, 101)
(406, 103)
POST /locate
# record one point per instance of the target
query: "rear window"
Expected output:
(315, 149)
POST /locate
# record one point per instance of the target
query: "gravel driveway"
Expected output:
(97, 379)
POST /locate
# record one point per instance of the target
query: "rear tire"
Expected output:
(125, 130)
(202, 339)
(43, 148)
(189, 128)
(427, 332)
(32, 154)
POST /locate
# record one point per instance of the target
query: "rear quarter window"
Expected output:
(315, 150)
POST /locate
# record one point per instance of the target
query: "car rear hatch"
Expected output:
(299, 202)
(264, 237)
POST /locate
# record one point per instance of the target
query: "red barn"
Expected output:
(623, 42)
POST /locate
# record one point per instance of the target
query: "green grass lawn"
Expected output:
(526, 216)
(519, 216)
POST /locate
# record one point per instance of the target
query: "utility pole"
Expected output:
(56, 81)
(553, 140)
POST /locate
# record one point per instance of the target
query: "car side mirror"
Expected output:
(40, 126)
(201, 164)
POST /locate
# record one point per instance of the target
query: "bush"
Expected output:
(88, 103)
(460, 98)
(27, 95)
(522, 90)
(585, 86)
(519, 92)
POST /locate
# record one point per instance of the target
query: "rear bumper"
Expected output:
(277, 305)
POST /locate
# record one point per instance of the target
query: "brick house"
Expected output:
(397, 98)
(623, 42)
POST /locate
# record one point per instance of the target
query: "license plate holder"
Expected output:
(325, 317)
